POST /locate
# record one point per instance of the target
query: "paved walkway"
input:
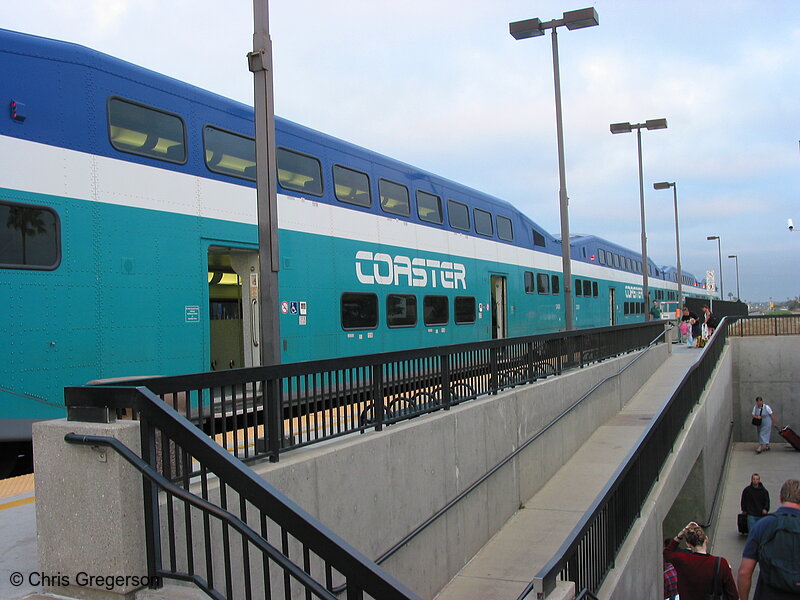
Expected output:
(508, 562)
(782, 462)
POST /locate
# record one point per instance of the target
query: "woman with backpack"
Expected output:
(700, 574)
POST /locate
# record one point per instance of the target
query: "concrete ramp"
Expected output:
(508, 562)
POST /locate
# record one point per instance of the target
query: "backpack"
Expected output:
(779, 553)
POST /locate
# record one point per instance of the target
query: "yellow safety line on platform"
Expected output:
(16, 503)
(14, 486)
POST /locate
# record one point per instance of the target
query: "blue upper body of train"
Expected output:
(128, 239)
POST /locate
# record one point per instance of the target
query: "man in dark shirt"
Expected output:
(790, 505)
(755, 500)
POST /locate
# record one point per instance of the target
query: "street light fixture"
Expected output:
(627, 128)
(736, 257)
(520, 30)
(664, 185)
(719, 251)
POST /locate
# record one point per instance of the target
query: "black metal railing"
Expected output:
(765, 325)
(264, 411)
(225, 529)
(589, 552)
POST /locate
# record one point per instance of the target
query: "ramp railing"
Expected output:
(265, 411)
(211, 521)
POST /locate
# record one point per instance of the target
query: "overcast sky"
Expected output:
(442, 85)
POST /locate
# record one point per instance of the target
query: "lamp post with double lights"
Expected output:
(520, 30)
(719, 252)
(665, 185)
(736, 258)
(627, 128)
(260, 64)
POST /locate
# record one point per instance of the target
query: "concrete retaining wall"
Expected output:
(769, 367)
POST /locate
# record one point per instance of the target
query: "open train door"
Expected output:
(233, 308)
(612, 301)
(499, 307)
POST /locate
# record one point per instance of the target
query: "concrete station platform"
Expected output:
(530, 538)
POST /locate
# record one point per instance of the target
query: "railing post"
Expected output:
(445, 367)
(274, 418)
(494, 377)
(152, 530)
(377, 396)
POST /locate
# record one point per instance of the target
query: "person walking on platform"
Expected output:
(755, 501)
(699, 573)
(774, 543)
(762, 418)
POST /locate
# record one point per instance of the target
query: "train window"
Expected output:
(436, 310)
(578, 287)
(394, 198)
(595, 289)
(529, 287)
(555, 284)
(30, 237)
(601, 256)
(616, 260)
(351, 186)
(627, 309)
(458, 215)
(542, 283)
(464, 310)
(587, 288)
(538, 239)
(628, 264)
(429, 207)
(359, 311)
(401, 310)
(299, 172)
(505, 229)
(146, 131)
(483, 222)
(229, 153)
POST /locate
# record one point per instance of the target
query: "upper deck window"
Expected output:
(30, 237)
(483, 222)
(458, 215)
(505, 229)
(538, 239)
(429, 207)
(394, 198)
(229, 153)
(351, 186)
(146, 131)
(299, 172)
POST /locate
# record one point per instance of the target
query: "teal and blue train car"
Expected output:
(128, 240)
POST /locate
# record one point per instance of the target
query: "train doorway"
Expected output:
(612, 305)
(233, 308)
(499, 307)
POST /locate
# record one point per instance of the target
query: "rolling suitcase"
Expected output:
(790, 436)
(741, 523)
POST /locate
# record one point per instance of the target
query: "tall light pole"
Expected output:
(520, 30)
(736, 257)
(627, 128)
(719, 252)
(664, 185)
(260, 63)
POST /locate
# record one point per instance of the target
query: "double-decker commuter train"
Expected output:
(128, 240)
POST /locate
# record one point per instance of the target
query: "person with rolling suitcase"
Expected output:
(755, 503)
(762, 419)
